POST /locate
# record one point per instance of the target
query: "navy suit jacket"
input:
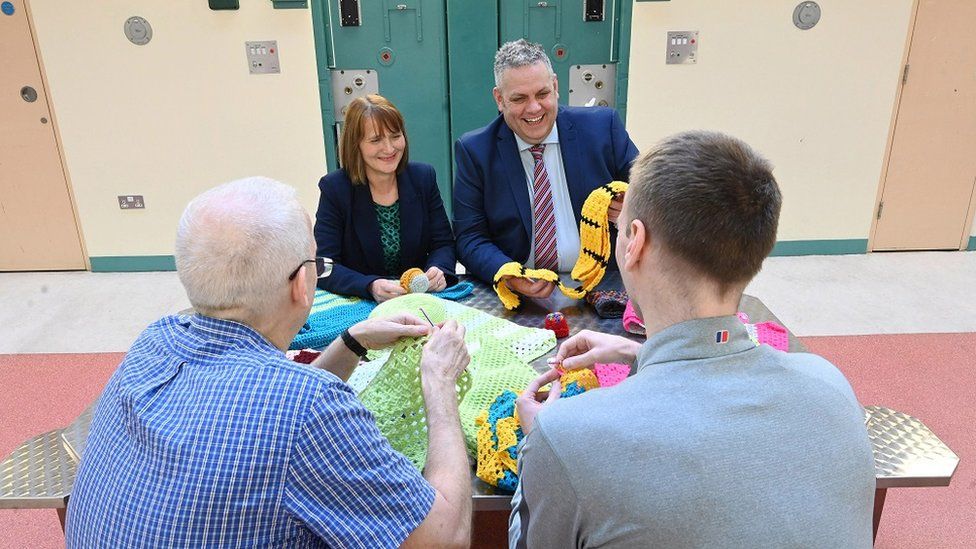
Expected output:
(492, 207)
(346, 230)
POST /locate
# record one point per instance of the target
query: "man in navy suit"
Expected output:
(521, 181)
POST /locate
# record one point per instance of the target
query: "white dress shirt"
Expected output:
(567, 232)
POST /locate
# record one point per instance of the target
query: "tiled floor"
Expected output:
(921, 292)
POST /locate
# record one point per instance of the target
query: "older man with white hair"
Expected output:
(207, 435)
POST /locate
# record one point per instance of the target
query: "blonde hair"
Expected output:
(377, 110)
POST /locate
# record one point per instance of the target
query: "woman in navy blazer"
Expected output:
(381, 214)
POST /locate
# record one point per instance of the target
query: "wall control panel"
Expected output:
(682, 47)
(262, 57)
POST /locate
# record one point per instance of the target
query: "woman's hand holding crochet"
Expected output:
(531, 401)
(437, 281)
(587, 348)
(445, 354)
(383, 289)
(530, 288)
(379, 333)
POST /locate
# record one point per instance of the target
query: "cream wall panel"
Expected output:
(817, 103)
(179, 115)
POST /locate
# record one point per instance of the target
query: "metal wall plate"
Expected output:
(262, 57)
(350, 14)
(592, 85)
(593, 10)
(806, 15)
(138, 30)
(682, 47)
(131, 202)
(348, 84)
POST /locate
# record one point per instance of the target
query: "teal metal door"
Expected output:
(433, 59)
(405, 43)
(576, 34)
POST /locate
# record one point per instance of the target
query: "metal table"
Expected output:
(41, 472)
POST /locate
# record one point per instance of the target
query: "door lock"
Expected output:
(29, 94)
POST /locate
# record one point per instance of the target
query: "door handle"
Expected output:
(28, 94)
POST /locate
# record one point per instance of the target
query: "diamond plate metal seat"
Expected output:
(40, 473)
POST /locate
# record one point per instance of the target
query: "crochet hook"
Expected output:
(432, 325)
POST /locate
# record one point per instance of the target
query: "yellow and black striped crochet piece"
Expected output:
(594, 251)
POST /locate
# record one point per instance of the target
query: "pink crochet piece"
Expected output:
(632, 322)
(774, 335)
(611, 374)
(770, 333)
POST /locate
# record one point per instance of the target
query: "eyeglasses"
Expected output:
(323, 267)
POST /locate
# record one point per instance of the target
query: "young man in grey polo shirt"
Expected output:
(713, 441)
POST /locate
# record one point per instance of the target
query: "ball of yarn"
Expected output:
(414, 281)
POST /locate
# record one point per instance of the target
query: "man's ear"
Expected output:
(298, 288)
(497, 94)
(555, 85)
(637, 243)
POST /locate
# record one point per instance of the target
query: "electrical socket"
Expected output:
(131, 202)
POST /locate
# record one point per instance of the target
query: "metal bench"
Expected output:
(40, 473)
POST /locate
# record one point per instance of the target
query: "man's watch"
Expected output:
(353, 345)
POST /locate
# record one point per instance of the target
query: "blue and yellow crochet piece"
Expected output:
(500, 433)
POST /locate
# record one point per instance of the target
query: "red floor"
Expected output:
(932, 377)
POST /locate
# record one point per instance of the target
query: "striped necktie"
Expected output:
(544, 218)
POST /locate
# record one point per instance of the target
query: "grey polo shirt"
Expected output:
(713, 442)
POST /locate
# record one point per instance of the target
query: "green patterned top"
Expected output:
(388, 218)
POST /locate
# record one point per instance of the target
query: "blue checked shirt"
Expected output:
(207, 435)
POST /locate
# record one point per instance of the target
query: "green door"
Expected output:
(433, 60)
(404, 45)
(584, 41)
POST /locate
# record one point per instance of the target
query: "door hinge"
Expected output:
(880, 208)
(904, 75)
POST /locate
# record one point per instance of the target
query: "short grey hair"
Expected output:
(519, 53)
(237, 243)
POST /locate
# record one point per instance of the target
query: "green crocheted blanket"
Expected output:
(389, 383)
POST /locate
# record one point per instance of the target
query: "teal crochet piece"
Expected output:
(333, 313)
(500, 354)
(504, 406)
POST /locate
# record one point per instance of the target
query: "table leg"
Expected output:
(489, 529)
(879, 497)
